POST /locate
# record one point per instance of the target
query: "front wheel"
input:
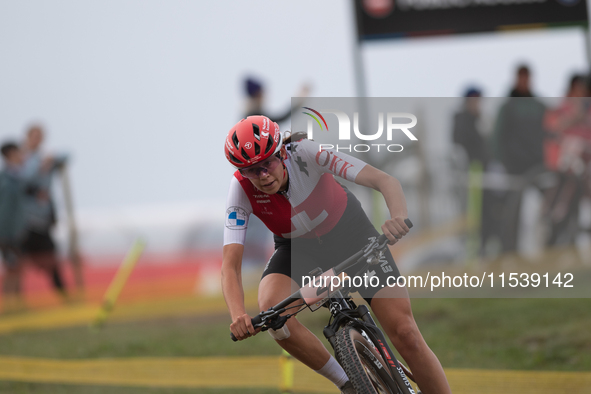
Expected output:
(364, 365)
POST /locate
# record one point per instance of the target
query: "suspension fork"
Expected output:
(336, 306)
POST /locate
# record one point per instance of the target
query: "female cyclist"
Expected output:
(289, 185)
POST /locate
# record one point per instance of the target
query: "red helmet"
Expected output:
(252, 140)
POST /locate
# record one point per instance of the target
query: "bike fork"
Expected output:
(336, 306)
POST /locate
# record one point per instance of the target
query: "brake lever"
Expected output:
(263, 317)
(267, 316)
(369, 248)
(276, 324)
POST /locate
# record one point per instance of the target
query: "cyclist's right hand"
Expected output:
(242, 327)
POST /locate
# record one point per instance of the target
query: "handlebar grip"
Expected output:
(382, 238)
(408, 222)
(255, 320)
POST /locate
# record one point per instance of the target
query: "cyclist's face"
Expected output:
(271, 182)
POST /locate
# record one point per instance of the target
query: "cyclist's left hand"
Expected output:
(395, 229)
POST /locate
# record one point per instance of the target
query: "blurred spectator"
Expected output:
(568, 123)
(38, 245)
(519, 131)
(519, 136)
(570, 118)
(255, 93)
(467, 135)
(12, 224)
(568, 151)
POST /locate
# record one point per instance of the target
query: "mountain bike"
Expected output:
(359, 345)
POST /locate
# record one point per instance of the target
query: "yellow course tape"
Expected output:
(80, 315)
(262, 372)
(119, 282)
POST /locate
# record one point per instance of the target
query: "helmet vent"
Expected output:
(235, 140)
(233, 159)
(256, 131)
(244, 154)
(269, 145)
(257, 149)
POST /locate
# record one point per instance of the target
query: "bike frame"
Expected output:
(343, 311)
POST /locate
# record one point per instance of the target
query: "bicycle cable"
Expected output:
(296, 306)
(296, 312)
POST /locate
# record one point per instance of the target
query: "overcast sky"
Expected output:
(142, 93)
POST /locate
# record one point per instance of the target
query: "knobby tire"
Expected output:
(363, 364)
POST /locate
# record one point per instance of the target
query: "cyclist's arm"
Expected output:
(237, 214)
(392, 191)
(234, 292)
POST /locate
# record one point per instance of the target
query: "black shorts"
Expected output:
(297, 257)
(38, 242)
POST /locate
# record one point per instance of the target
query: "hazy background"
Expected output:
(142, 93)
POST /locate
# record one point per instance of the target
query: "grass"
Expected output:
(526, 334)
(174, 337)
(545, 334)
(30, 388)
(522, 334)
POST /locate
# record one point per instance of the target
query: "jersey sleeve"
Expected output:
(331, 161)
(238, 210)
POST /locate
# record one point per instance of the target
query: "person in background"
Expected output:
(570, 117)
(466, 132)
(560, 120)
(40, 217)
(467, 135)
(12, 224)
(518, 138)
(255, 93)
(568, 152)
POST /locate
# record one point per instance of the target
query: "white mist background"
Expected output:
(142, 93)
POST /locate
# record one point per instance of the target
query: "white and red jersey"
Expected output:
(311, 207)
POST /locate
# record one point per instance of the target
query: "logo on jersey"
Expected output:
(335, 164)
(236, 218)
(302, 165)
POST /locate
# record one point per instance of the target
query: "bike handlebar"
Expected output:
(345, 264)
(255, 320)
